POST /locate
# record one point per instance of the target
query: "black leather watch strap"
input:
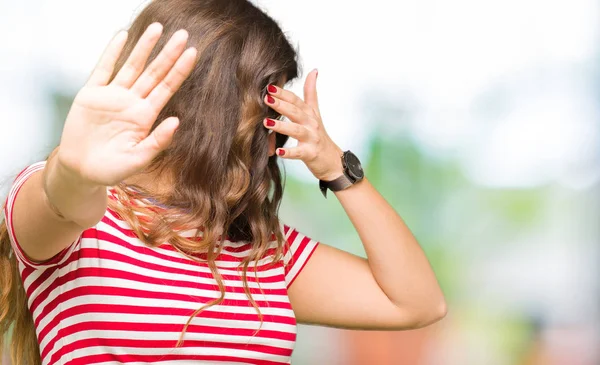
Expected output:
(338, 184)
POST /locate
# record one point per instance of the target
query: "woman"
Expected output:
(151, 233)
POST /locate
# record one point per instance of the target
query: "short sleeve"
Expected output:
(8, 212)
(298, 251)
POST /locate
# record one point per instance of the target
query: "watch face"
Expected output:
(353, 166)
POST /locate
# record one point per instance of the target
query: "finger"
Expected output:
(295, 153)
(310, 91)
(104, 69)
(136, 62)
(163, 63)
(291, 111)
(160, 138)
(291, 98)
(161, 94)
(296, 131)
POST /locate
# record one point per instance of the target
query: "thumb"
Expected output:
(160, 138)
(310, 90)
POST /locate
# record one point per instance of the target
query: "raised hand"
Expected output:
(106, 137)
(315, 148)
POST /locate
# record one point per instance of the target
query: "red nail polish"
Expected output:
(270, 99)
(280, 152)
(272, 89)
(270, 123)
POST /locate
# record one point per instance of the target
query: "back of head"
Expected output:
(223, 177)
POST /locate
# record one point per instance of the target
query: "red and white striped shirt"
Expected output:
(109, 299)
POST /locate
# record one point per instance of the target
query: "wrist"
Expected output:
(61, 173)
(351, 174)
(336, 168)
(334, 174)
(71, 197)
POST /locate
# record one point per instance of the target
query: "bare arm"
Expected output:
(106, 139)
(34, 216)
(396, 287)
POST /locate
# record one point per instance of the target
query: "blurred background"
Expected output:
(479, 120)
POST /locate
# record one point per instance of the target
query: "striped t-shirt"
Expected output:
(109, 299)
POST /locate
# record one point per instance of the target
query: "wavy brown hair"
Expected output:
(222, 179)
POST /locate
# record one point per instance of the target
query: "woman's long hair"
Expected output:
(223, 180)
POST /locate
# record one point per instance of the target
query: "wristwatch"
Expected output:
(353, 173)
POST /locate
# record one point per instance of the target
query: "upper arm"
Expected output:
(37, 233)
(338, 289)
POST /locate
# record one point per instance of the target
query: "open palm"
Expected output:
(106, 137)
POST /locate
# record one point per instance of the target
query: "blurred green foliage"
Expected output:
(454, 219)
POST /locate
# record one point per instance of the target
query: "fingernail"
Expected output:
(270, 123)
(270, 99)
(317, 71)
(280, 152)
(272, 89)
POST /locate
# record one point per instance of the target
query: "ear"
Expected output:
(272, 141)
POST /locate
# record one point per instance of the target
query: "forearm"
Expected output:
(56, 206)
(397, 262)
